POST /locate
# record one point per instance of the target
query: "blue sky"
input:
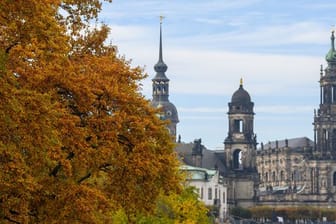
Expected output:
(277, 47)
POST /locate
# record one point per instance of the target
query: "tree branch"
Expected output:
(125, 141)
(84, 178)
(55, 170)
(59, 165)
(11, 220)
(10, 47)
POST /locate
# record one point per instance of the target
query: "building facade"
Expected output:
(211, 189)
(300, 171)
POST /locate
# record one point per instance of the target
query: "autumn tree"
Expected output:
(77, 139)
(184, 208)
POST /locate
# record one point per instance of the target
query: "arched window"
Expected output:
(273, 176)
(334, 139)
(282, 175)
(296, 175)
(266, 177)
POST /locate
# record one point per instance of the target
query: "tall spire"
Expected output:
(160, 50)
(160, 80)
(332, 38)
(160, 84)
(160, 67)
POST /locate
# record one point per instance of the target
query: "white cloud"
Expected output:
(172, 8)
(208, 21)
(274, 36)
(192, 68)
(202, 109)
(209, 45)
(130, 33)
(200, 118)
(284, 109)
(319, 5)
(265, 109)
(218, 72)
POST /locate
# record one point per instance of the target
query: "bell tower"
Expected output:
(325, 118)
(240, 151)
(161, 92)
(240, 144)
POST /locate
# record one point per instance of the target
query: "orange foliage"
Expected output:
(77, 139)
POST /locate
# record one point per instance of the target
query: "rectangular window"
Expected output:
(209, 193)
(216, 193)
(224, 197)
(238, 126)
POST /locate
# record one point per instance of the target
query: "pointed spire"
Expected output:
(241, 82)
(332, 38)
(160, 50)
(331, 55)
(160, 67)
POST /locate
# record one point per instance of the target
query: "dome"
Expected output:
(160, 67)
(241, 96)
(168, 109)
(331, 56)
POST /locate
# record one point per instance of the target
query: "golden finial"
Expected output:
(241, 81)
(161, 18)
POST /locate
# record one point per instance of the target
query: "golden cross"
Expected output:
(161, 18)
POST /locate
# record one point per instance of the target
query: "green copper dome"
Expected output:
(331, 56)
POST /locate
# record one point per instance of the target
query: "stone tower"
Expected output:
(240, 144)
(240, 151)
(325, 118)
(161, 92)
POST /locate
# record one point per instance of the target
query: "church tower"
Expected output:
(161, 92)
(240, 144)
(325, 119)
(240, 151)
